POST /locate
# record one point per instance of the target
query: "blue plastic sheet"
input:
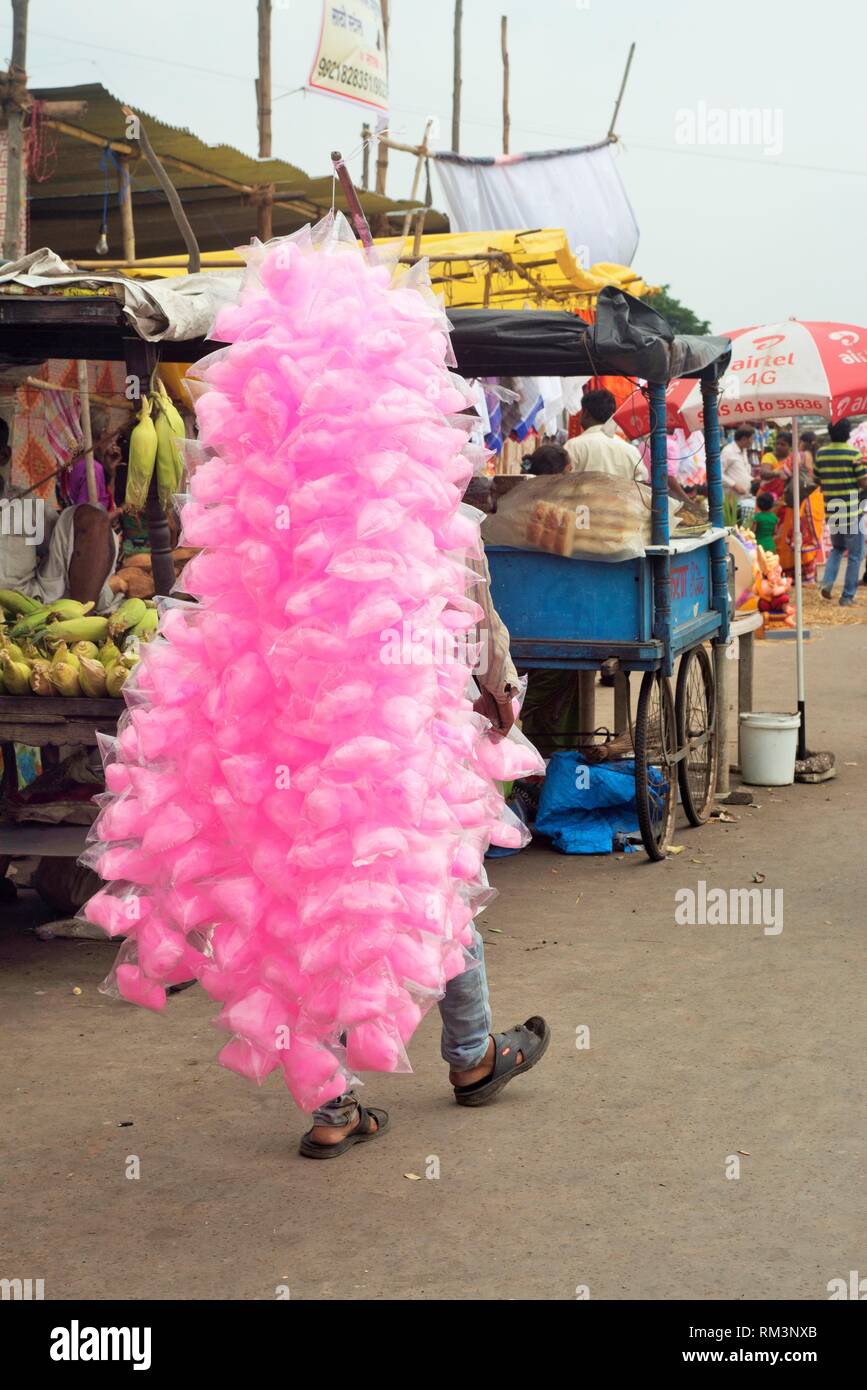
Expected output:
(587, 813)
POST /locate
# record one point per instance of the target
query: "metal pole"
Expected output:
(365, 157)
(659, 519)
(799, 606)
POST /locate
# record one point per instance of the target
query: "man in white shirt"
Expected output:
(599, 449)
(737, 471)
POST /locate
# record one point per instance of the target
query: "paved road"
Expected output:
(605, 1168)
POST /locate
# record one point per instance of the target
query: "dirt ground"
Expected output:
(605, 1168)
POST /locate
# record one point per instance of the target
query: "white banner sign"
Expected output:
(351, 60)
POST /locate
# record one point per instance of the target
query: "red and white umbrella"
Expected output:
(779, 369)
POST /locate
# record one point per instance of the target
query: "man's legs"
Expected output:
(855, 547)
(833, 562)
(465, 1011)
(467, 1045)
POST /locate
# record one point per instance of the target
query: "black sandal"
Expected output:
(531, 1038)
(362, 1134)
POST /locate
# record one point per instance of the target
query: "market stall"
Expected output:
(565, 611)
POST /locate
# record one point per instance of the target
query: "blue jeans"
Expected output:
(849, 543)
(465, 1011)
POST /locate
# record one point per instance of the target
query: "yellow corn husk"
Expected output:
(92, 675)
(142, 459)
(29, 625)
(78, 630)
(126, 616)
(16, 675)
(12, 649)
(40, 679)
(64, 678)
(86, 649)
(109, 653)
(18, 604)
(115, 679)
(66, 608)
(146, 626)
(170, 430)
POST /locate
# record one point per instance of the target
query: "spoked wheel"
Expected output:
(697, 734)
(655, 748)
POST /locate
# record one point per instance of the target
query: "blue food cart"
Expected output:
(645, 614)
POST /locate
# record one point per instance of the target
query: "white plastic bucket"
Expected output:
(769, 746)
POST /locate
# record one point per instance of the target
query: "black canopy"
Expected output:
(629, 338)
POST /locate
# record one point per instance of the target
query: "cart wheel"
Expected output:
(697, 734)
(655, 745)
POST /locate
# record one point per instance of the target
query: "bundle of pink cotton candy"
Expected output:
(301, 794)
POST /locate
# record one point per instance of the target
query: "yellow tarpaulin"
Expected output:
(475, 270)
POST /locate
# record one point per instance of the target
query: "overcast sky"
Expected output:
(744, 233)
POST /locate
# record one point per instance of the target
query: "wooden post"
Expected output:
(86, 432)
(263, 81)
(456, 82)
(611, 134)
(504, 47)
(419, 165)
(125, 197)
(14, 246)
(382, 148)
(365, 157)
(265, 213)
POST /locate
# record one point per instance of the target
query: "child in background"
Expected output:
(765, 521)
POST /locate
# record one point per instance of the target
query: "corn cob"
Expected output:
(18, 604)
(64, 678)
(115, 679)
(89, 629)
(142, 458)
(126, 616)
(16, 675)
(92, 676)
(146, 626)
(170, 430)
(40, 681)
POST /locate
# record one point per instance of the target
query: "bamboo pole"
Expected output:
(611, 133)
(86, 435)
(504, 49)
(113, 402)
(456, 78)
(126, 220)
(382, 148)
(365, 157)
(263, 81)
(14, 244)
(419, 165)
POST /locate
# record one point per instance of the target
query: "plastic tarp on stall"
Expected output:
(579, 189)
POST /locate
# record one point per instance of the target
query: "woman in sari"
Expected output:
(812, 525)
